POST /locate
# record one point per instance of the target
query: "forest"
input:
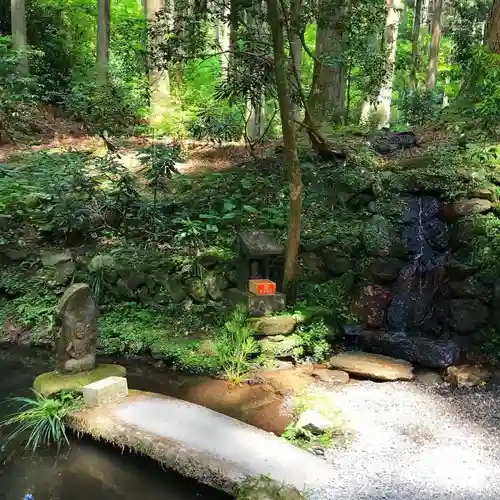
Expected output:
(140, 138)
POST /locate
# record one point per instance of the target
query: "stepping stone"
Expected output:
(373, 366)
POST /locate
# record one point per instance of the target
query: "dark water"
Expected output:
(86, 471)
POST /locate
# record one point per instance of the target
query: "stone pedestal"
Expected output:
(258, 305)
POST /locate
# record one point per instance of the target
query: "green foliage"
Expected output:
(316, 339)
(18, 94)
(234, 345)
(420, 106)
(217, 125)
(44, 418)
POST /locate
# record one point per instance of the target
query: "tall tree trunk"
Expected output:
(435, 42)
(103, 29)
(295, 49)
(159, 81)
(224, 42)
(404, 18)
(493, 31)
(19, 37)
(232, 33)
(276, 22)
(327, 98)
(414, 43)
(380, 112)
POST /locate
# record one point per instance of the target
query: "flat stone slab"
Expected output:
(52, 382)
(374, 366)
(107, 390)
(199, 443)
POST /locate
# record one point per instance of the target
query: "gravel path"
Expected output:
(417, 441)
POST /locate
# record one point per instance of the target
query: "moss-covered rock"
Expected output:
(265, 488)
(52, 382)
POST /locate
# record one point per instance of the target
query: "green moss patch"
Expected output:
(52, 382)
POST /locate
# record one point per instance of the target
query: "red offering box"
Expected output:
(262, 287)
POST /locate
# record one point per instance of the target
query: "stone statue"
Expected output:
(76, 344)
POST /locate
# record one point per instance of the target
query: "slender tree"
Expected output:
(159, 81)
(435, 42)
(295, 48)
(493, 31)
(417, 18)
(103, 30)
(276, 23)
(379, 112)
(19, 36)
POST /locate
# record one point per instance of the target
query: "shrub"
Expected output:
(316, 339)
(217, 125)
(420, 106)
(44, 418)
(234, 346)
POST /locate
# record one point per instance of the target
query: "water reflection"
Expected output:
(87, 470)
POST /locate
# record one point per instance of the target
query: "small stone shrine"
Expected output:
(259, 257)
(77, 315)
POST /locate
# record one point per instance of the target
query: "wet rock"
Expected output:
(437, 234)
(420, 209)
(413, 297)
(419, 350)
(466, 376)
(458, 270)
(374, 366)
(466, 207)
(429, 378)
(16, 254)
(370, 305)
(276, 325)
(469, 288)
(467, 315)
(313, 422)
(331, 376)
(386, 269)
(264, 488)
(336, 262)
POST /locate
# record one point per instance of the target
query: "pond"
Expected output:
(87, 470)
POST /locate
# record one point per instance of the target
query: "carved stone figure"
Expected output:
(77, 314)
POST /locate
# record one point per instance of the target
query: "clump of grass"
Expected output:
(42, 419)
(235, 345)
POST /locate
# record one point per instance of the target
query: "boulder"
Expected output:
(174, 289)
(197, 290)
(52, 259)
(215, 284)
(280, 350)
(312, 267)
(377, 236)
(419, 350)
(467, 315)
(466, 207)
(331, 376)
(275, 325)
(313, 422)
(374, 366)
(370, 305)
(386, 269)
(486, 194)
(63, 272)
(469, 288)
(336, 262)
(466, 376)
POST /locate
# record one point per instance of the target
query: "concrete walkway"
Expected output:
(199, 443)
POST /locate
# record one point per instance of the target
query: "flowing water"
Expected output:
(87, 470)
